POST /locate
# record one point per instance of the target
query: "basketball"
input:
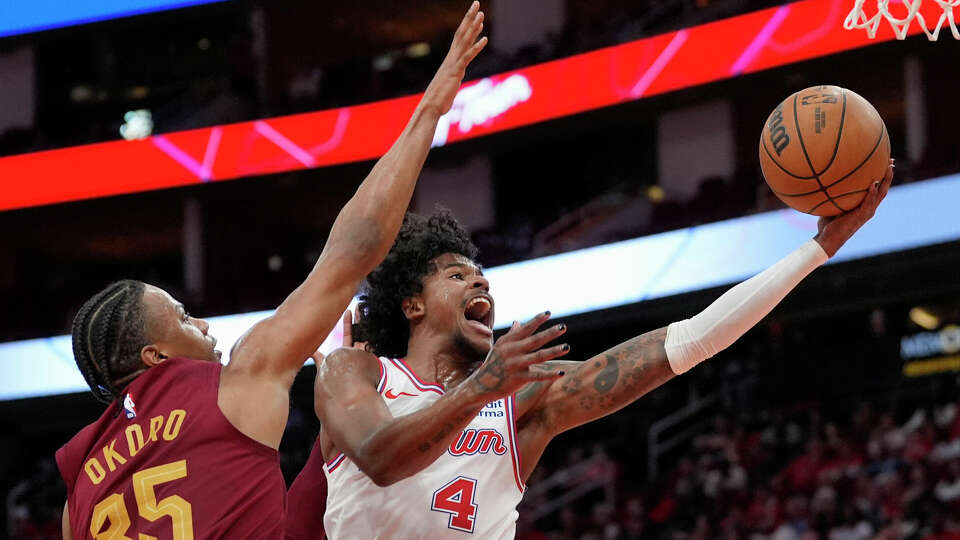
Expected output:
(821, 148)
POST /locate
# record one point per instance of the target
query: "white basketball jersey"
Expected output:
(471, 491)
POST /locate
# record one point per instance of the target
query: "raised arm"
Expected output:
(253, 392)
(610, 381)
(388, 448)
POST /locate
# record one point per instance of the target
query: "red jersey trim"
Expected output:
(420, 384)
(383, 377)
(335, 462)
(514, 449)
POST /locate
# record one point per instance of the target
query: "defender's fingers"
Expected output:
(347, 329)
(476, 26)
(474, 51)
(543, 337)
(318, 357)
(465, 40)
(543, 355)
(468, 21)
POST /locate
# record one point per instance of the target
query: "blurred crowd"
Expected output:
(787, 477)
(34, 505)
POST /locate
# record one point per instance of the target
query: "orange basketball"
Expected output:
(821, 148)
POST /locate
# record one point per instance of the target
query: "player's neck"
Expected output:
(435, 359)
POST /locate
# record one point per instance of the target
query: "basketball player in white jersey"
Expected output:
(435, 438)
(433, 435)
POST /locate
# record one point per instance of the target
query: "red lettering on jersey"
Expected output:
(473, 441)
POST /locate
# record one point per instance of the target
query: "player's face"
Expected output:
(173, 331)
(457, 303)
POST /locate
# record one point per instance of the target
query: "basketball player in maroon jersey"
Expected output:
(427, 302)
(187, 448)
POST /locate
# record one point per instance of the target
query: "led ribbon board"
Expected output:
(692, 56)
(601, 277)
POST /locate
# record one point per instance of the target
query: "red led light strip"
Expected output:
(692, 56)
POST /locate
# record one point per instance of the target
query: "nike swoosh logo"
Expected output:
(390, 394)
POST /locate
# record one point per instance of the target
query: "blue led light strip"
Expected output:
(622, 273)
(26, 16)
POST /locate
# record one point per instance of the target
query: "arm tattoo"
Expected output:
(491, 375)
(529, 391)
(572, 384)
(620, 376)
(607, 378)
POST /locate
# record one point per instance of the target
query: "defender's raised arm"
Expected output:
(266, 359)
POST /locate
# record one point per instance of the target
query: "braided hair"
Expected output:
(108, 333)
(421, 239)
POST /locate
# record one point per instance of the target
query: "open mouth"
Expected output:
(479, 314)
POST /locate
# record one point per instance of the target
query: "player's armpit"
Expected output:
(384, 447)
(364, 230)
(254, 387)
(275, 349)
(277, 346)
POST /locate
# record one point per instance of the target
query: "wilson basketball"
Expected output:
(821, 148)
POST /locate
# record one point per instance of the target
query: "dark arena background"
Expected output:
(603, 154)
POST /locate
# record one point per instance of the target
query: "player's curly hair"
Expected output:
(108, 333)
(420, 240)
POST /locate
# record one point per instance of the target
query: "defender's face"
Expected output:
(457, 302)
(173, 331)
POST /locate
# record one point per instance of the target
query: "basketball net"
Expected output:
(857, 18)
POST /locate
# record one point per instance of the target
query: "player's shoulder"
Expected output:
(71, 456)
(351, 363)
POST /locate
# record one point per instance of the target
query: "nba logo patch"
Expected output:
(129, 406)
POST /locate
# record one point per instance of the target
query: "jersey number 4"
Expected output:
(113, 509)
(456, 499)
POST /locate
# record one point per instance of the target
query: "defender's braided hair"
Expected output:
(108, 334)
(421, 239)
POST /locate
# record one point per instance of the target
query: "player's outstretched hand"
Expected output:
(465, 47)
(834, 231)
(507, 366)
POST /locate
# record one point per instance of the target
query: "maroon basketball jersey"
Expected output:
(307, 499)
(165, 462)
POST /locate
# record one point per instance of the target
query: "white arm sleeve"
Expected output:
(693, 340)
